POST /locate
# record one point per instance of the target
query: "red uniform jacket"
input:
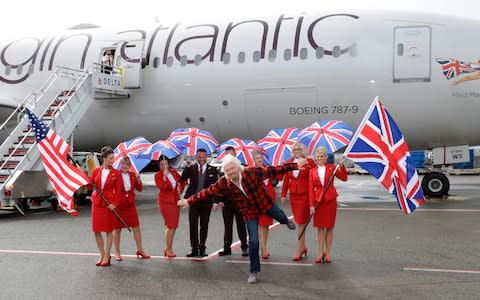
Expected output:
(166, 193)
(113, 189)
(299, 185)
(257, 201)
(135, 184)
(270, 188)
(316, 187)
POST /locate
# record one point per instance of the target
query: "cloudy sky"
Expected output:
(22, 18)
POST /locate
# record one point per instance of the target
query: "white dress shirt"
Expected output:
(172, 180)
(240, 185)
(202, 168)
(105, 173)
(126, 181)
(321, 174)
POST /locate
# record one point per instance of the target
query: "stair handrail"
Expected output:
(78, 82)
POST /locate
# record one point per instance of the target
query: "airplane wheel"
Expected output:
(435, 184)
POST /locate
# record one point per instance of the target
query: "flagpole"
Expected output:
(325, 188)
(103, 197)
(364, 120)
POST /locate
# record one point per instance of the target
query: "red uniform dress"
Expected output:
(168, 197)
(326, 212)
(113, 190)
(298, 187)
(127, 208)
(264, 220)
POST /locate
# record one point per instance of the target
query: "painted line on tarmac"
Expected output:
(270, 263)
(396, 209)
(237, 243)
(65, 253)
(442, 270)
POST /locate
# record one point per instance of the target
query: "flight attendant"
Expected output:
(326, 212)
(170, 187)
(128, 211)
(265, 221)
(109, 181)
(297, 183)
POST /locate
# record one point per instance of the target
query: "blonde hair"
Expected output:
(230, 159)
(125, 160)
(256, 153)
(322, 150)
(302, 146)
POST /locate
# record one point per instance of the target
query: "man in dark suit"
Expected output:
(200, 176)
(230, 211)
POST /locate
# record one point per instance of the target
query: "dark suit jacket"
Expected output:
(190, 174)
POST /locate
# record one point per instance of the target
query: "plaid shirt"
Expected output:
(257, 201)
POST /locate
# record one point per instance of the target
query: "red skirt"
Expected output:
(170, 213)
(265, 220)
(129, 215)
(325, 214)
(300, 208)
(102, 219)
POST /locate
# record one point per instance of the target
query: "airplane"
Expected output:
(242, 78)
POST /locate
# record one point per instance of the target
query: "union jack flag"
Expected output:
(278, 145)
(453, 67)
(243, 150)
(332, 135)
(193, 139)
(132, 148)
(64, 177)
(379, 147)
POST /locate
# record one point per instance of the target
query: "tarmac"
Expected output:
(378, 253)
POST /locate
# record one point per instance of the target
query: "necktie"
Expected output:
(201, 170)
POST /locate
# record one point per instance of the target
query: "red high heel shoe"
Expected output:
(142, 255)
(118, 258)
(265, 256)
(169, 254)
(304, 252)
(319, 260)
(99, 262)
(326, 260)
(107, 263)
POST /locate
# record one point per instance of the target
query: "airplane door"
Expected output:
(128, 57)
(412, 53)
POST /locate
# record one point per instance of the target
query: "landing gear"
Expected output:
(435, 184)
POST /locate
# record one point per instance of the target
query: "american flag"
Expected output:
(332, 135)
(64, 177)
(243, 150)
(193, 139)
(278, 145)
(132, 149)
(453, 67)
(379, 147)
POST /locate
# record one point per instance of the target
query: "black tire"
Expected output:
(24, 205)
(53, 203)
(435, 184)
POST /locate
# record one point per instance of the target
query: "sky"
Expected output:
(22, 18)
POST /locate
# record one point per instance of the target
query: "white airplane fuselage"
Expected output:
(297, 69)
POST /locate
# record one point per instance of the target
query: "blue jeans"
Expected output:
(253, 244)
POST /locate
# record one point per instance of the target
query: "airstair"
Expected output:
(60, 103)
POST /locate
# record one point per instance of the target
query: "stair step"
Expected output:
(30, 139)
(18, 152)
(3, 178)
(14, 158)
(9, 165)
(66, 93)
(58, 102)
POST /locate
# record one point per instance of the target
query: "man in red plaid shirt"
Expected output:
(244, 186)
